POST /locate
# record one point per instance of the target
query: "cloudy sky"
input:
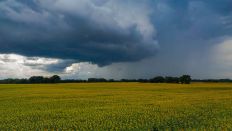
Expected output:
(115, 38)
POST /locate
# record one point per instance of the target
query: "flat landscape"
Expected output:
(116, 106)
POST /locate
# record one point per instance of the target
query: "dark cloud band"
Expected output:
(101, 31)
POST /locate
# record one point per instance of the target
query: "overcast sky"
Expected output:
(116, 38)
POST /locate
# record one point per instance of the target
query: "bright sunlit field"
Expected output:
(116, 106)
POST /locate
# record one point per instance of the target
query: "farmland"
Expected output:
(116, 106)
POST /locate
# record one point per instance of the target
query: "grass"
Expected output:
(116, 106)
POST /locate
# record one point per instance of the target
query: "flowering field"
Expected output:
(116, 106)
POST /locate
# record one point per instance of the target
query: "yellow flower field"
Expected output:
(116, 106)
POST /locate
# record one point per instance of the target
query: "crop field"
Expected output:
(116, 106)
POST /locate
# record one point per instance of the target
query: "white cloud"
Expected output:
(221, 59)
(17, 66)
(81, 70)
(222, 53)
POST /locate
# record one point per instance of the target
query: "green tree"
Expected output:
(36, 79)
(169, 79)
(55, 79)
(158, 79)
(185, 79)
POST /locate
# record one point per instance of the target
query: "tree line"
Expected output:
(33, 80)
(185, 79)
(212, 80)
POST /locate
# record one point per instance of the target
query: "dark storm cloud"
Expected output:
(59, 66)
(81, 30)
(109, 31)
(202, 19)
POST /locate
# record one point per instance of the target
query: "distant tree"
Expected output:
(111, 80)
(143, 80)
(102, 80)
(92, 80)
(36, 79)
(14, 81)
(123, 80)
(169, 79)
(97, 80)
(54, 79)
(185, 79)
(158, 79)
(46, 80)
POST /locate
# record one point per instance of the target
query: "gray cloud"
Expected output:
(101, 31)
(151, 36)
